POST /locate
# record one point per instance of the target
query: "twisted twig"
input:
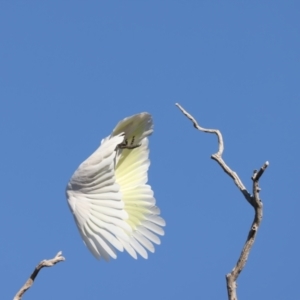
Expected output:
(252, 199)
(42, 264)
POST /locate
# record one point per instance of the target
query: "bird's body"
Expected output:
(112, 204)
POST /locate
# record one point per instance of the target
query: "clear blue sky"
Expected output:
(70, 70)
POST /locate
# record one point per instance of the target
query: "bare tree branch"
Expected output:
(218, 156)
(42, 264)
(253, 200)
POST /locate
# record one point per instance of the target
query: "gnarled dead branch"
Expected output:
(253, 200)
(42, 264)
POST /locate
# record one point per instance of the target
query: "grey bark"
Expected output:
(253, 200)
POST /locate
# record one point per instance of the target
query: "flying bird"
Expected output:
(112, 204)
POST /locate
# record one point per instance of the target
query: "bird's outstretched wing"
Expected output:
(112, 205)
(139, 202)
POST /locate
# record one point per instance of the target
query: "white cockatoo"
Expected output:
(112, 204)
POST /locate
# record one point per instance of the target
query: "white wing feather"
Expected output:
(113, 207)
